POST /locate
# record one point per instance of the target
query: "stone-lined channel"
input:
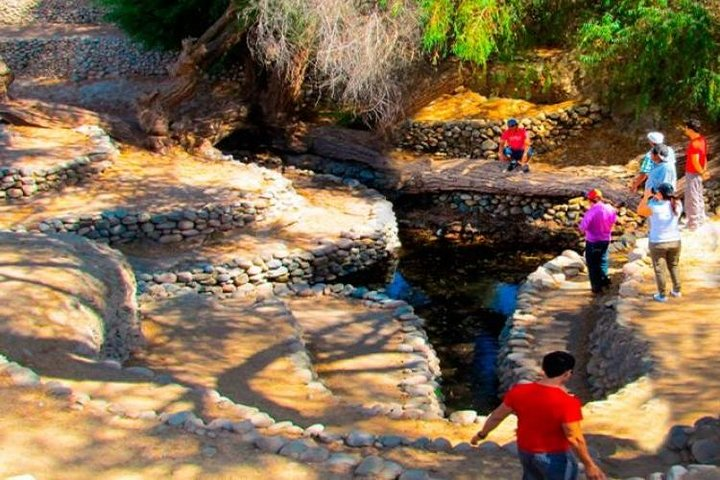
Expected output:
(465, 294)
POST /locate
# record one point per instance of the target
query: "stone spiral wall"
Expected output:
(366, 245)
(618, 356)
(480, 138)
(122, 226)
(517, 339)
(20, 183)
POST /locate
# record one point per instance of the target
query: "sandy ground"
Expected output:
(41, 148)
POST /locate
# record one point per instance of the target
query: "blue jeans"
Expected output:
(548, 466)
(596, 255)
(516, 155)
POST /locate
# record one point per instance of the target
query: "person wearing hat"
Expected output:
(663, 171)
(515, 147)
(664, 209)
(597, 225)
(655, 138)
(695, 172)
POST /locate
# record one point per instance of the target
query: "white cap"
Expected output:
(656, 137)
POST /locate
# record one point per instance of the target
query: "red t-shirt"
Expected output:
(696, 146)
(541, 411)
(515, 138)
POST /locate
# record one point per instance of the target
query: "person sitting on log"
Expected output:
(515, 147)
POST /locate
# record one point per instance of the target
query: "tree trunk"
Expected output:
(428, 83)
(157, 111)
(36, 113)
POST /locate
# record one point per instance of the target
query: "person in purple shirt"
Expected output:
(597, 225)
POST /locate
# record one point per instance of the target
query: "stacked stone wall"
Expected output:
(17, 184)
(364, 246)
(515, 362)
(83, 57)
(25, 12)
(529, 219)
(618, 355)
(341, 168)
(122, 226)
(480, 138)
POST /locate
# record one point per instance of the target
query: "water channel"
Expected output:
(464, 293)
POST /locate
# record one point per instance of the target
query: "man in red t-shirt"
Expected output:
(548, 424)
(515, 146)
(695, 172)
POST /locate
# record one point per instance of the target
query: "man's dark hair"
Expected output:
(661, 150)
(555, 364)
(693, 124)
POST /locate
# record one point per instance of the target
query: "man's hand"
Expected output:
(477, 437)
(705, 175)
(593, 472)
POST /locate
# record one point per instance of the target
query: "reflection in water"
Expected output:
(465, 294)
(399, 288)
(504, 298)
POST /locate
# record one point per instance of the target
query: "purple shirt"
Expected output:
(598, 222)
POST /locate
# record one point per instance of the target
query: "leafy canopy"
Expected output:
(654, 52)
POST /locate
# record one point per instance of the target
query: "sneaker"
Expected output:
(525, 169)
(512, 166)
(675, 294)
(659, 297)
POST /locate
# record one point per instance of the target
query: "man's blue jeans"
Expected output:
(548, 466)
(596, 255)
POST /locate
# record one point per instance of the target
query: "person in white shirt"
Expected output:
(664, 210)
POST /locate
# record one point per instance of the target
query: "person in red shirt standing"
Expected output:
(548, 424)
(515, 147)
(695, 172)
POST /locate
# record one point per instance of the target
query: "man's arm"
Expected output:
(574, 434)
(526, 149)
(694, 160)
(495, 418)
(501, 150)
(637, 181)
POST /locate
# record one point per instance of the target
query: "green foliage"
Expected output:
(164, 23)
(654, 53)
(471, 29)
(478, 24)
(437, 19)
(552, 22)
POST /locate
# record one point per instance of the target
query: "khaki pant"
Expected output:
(694, 201)
(666, 254)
